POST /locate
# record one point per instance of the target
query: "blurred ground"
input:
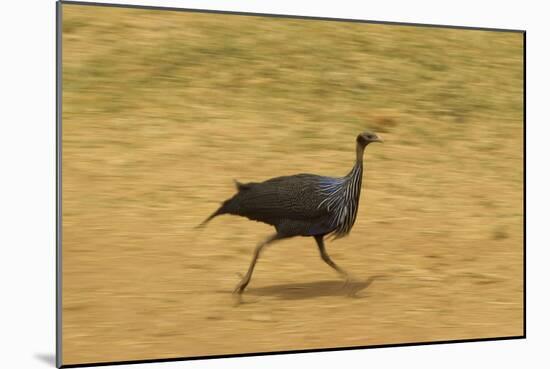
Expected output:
(162, 110)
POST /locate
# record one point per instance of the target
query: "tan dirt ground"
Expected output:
(162, 110)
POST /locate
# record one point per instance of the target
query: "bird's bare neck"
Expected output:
(357, 168)
(360, 150)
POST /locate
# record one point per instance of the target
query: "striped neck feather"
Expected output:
(342, 199)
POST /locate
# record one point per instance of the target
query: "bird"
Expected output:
(306, 205)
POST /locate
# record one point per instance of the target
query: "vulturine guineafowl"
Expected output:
(301, 205)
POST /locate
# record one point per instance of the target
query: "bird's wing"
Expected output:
(297, 197)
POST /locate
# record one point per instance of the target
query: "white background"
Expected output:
(27, 183)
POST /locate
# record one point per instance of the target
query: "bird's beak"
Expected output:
(379, 139)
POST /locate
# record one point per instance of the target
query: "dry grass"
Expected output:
(161, 110)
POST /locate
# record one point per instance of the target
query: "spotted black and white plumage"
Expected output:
(302, 205)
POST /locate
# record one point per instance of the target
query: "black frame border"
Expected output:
(58, 210)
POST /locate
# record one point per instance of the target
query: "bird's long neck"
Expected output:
(347, 198)
(355, 176)
(341, 196)
(358, 167)
(359, 151)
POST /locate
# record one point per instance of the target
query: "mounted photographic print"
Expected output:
(236, 184)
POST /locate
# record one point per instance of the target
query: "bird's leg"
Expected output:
(246, 279)
(328, 260)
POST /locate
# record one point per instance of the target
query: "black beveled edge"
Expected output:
(58, 233)
(145, 361)
(153, 7)
(524, 184)
(59, 363)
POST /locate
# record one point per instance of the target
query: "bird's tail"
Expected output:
(228, 206)
(221, 210)
(204, 222)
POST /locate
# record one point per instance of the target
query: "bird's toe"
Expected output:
(349, 280)
(240, 288)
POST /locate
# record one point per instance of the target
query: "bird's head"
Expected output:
(366, 138)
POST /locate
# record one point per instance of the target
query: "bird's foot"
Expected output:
(240, 288)
(348, 279)
(349, 282)
(241, 285)
(237, 299)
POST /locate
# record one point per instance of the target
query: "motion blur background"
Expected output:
(162, 110)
